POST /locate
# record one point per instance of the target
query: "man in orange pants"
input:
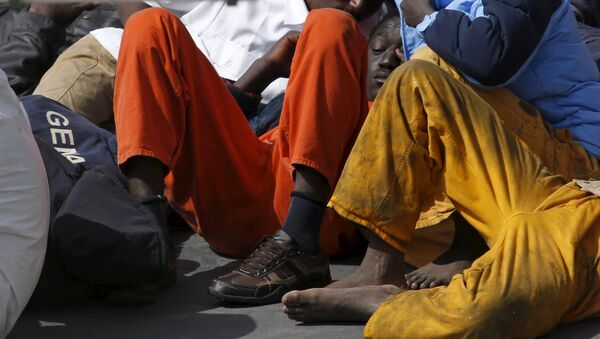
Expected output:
(181, 132)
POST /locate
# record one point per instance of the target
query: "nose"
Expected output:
(389, 59)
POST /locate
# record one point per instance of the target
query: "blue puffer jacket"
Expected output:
(530, 46)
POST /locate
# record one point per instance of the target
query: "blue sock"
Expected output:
(303, 222)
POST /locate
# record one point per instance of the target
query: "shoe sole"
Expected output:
(271, 298)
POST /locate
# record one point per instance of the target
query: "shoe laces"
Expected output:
(267, 255)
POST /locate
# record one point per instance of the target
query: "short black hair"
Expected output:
(387, 17)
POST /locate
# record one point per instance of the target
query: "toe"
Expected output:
(427, 283)
(292, 310)
(417, 283)
(291, 299)
(413, 278)
(438, 282)
(295, 316)
(410, 275)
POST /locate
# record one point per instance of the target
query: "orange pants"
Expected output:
(232, 187)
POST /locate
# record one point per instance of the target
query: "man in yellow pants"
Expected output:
(430, 134)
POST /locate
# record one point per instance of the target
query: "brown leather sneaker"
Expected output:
(276, 267)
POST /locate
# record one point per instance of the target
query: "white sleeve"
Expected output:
(24, 209)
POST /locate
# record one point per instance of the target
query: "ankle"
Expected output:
(146, 176)
(140, 188)
(157, 205)
(303, 223)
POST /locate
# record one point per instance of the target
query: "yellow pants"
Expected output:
(430, 135)
(556, 149)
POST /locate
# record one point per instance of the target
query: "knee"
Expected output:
(339, 25)
(415, 76)
(149, 18)
(409, 78)
(417, 72)
(153, 30)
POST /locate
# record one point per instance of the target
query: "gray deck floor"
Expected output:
(187, 311)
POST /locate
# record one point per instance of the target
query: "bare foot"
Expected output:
(466, 247)
(335, 304)
(439, 272)
(381, 265)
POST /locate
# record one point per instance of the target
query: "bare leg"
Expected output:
(146, 176)
(312, 183)
(381, 265)
(336, 304)
(466, 247)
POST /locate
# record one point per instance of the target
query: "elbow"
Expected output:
(493, 69)
(491, 74)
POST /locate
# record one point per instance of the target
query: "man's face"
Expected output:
(383, 57)
(360, 9)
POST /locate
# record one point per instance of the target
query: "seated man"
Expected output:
(544, 232)
(24, 209)
(491, 155)
(232, 37)
(181, 132)
(385, 55)
(551, 70)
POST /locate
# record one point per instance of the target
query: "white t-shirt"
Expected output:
(24, 209)
(232, 37)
